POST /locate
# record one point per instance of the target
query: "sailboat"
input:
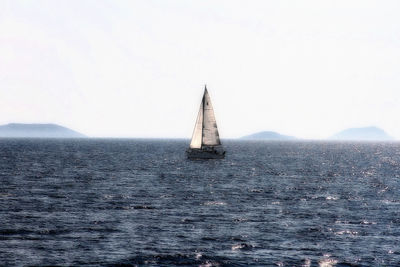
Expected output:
(205, 142)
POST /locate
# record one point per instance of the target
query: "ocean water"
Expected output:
(120, 202)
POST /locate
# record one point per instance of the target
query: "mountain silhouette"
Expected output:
(267, 135)
(363, 134)
(19, 130)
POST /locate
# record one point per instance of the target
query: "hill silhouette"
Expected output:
(22, 130)
(267, 135)
(363, 134)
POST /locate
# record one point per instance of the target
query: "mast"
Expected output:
(202, 124)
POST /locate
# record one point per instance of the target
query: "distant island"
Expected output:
(268, 135)
(21, 130)
(362, 134)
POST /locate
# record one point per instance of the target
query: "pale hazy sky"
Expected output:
(138, 68)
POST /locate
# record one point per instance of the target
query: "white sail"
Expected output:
(210, 130)
(205, 142)
(198, 129)
(205, 131)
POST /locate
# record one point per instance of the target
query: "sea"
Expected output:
(138, 202)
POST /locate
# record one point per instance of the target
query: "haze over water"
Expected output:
(127, 202)
(137, 69)
(306, 68)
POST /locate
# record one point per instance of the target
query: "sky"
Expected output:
(138, 68)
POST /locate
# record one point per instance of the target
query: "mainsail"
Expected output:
(205, 131)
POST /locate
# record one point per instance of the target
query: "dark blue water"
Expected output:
(141, 202)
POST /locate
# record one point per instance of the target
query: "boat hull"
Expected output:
(205, 154)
